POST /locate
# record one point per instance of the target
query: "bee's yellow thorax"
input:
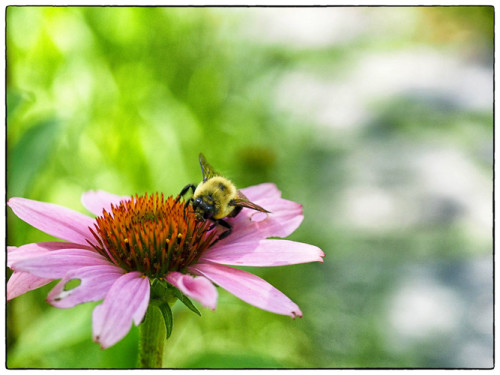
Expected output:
(221, 190)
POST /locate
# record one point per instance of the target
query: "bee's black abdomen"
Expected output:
(235, 211)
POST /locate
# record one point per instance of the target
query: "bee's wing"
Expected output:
(243, 201)
(207, 170)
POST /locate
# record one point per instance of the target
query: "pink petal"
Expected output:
(95, 282)
(284, 218)
(22, 282)
(126, 301)
(198, 288)
(262, 191)
(54, 264)
(249, 288)
(263, 253)
(58, 221)
(96, 201)
(15, 254)
(266, 195)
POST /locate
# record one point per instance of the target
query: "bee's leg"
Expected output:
(184, 191)
(186, 205)
(226, 225)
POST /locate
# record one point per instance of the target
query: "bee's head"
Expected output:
(204, 207)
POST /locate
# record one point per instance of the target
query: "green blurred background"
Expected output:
(378, 120)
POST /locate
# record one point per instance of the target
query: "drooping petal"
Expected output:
(198, 288)
(284, 218)
(55, 264)
(15, 254)
(263, 253)
(58, 221)
(250, 288)
(126, 301)
(96, 201)
(95, 282)
(22, 282)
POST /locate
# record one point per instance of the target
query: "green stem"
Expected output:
(152, 338)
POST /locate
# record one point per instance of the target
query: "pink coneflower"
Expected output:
(135, 240)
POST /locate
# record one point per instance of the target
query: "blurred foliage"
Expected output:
(124, 98)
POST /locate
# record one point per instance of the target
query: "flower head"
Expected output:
(136, 240)
(151, 235)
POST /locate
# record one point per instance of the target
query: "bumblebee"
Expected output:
(216, 198)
